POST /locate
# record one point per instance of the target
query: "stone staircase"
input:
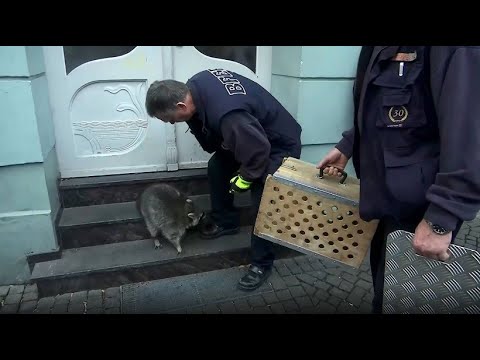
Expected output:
(104, 242)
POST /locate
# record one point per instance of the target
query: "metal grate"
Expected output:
(418, 285)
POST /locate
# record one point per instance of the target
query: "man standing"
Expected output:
(415, 146)
(250, 133)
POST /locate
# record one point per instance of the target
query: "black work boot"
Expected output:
(210, 230)
(254, 277)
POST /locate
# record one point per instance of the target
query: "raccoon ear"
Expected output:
(189, 201)
(191, 215)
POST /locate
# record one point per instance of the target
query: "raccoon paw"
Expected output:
(157, 244)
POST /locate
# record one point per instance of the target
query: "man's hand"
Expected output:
(335, 160)
(429, 244)
(238, 184)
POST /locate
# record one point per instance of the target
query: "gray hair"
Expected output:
(162, 96)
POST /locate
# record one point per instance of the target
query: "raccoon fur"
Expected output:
(168, 212)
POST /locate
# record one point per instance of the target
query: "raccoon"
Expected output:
(168, 212)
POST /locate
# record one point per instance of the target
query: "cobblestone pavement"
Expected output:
(303, 284)
(24, 300)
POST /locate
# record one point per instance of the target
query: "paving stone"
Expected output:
(44, 305)
(345, 308)
(30, 296)
(242, 306)
(79, 297)
(277, 283)
(64, 298)
(291, 280)
(17, 289)
(94, 311)
(349, 278)
(310, 290)
(297, 291)
(211, 309)
(277, 308)
(282, 270)
(304, 302)
(333, 280)
(256, 301)
(60, 308)
(113, 311)
(325, 308)
(112, 292)
(283, 295)
(111, 303)
(76, 308)
(338, 293)
(9, 309)
(31, 288)
(27, 307)
(307, 279)
(333, 300)
(227, 307)
(270, 298)
(364, 284)
(290, 306)
(13, 299)
(4, 290)
(356, 296)
(346, 286)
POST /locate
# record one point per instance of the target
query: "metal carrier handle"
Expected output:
(344, 174)
(320, 175)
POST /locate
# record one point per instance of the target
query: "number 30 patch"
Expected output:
(398, 114)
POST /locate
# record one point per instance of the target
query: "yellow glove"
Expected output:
(238, 184)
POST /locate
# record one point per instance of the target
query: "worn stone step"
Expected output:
(118, 222)
(98, 190)
(103, 266)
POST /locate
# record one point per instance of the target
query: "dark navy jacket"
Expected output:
(237, 114)
(416, 135)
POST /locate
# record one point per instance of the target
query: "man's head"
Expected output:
(169, 101)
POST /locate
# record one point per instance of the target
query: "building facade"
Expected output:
(78, 111)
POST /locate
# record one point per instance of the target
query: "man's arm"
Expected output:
(346, 144)
(455, 80)
(337, 158)
(246, 138)
(196, 128)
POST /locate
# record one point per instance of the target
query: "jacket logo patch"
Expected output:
(232, 85)
(397, 114)
(407, 57)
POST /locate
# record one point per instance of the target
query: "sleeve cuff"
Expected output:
(246, 177)
(439, 216)
(345, 147)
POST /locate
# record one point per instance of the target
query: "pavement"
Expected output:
(302, 285)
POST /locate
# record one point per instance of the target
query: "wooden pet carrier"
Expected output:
(316, 215)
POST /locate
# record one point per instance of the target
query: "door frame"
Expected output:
(54, 76)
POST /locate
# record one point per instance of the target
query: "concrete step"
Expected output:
(98, 190)
(119, 222)
(103, 266)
